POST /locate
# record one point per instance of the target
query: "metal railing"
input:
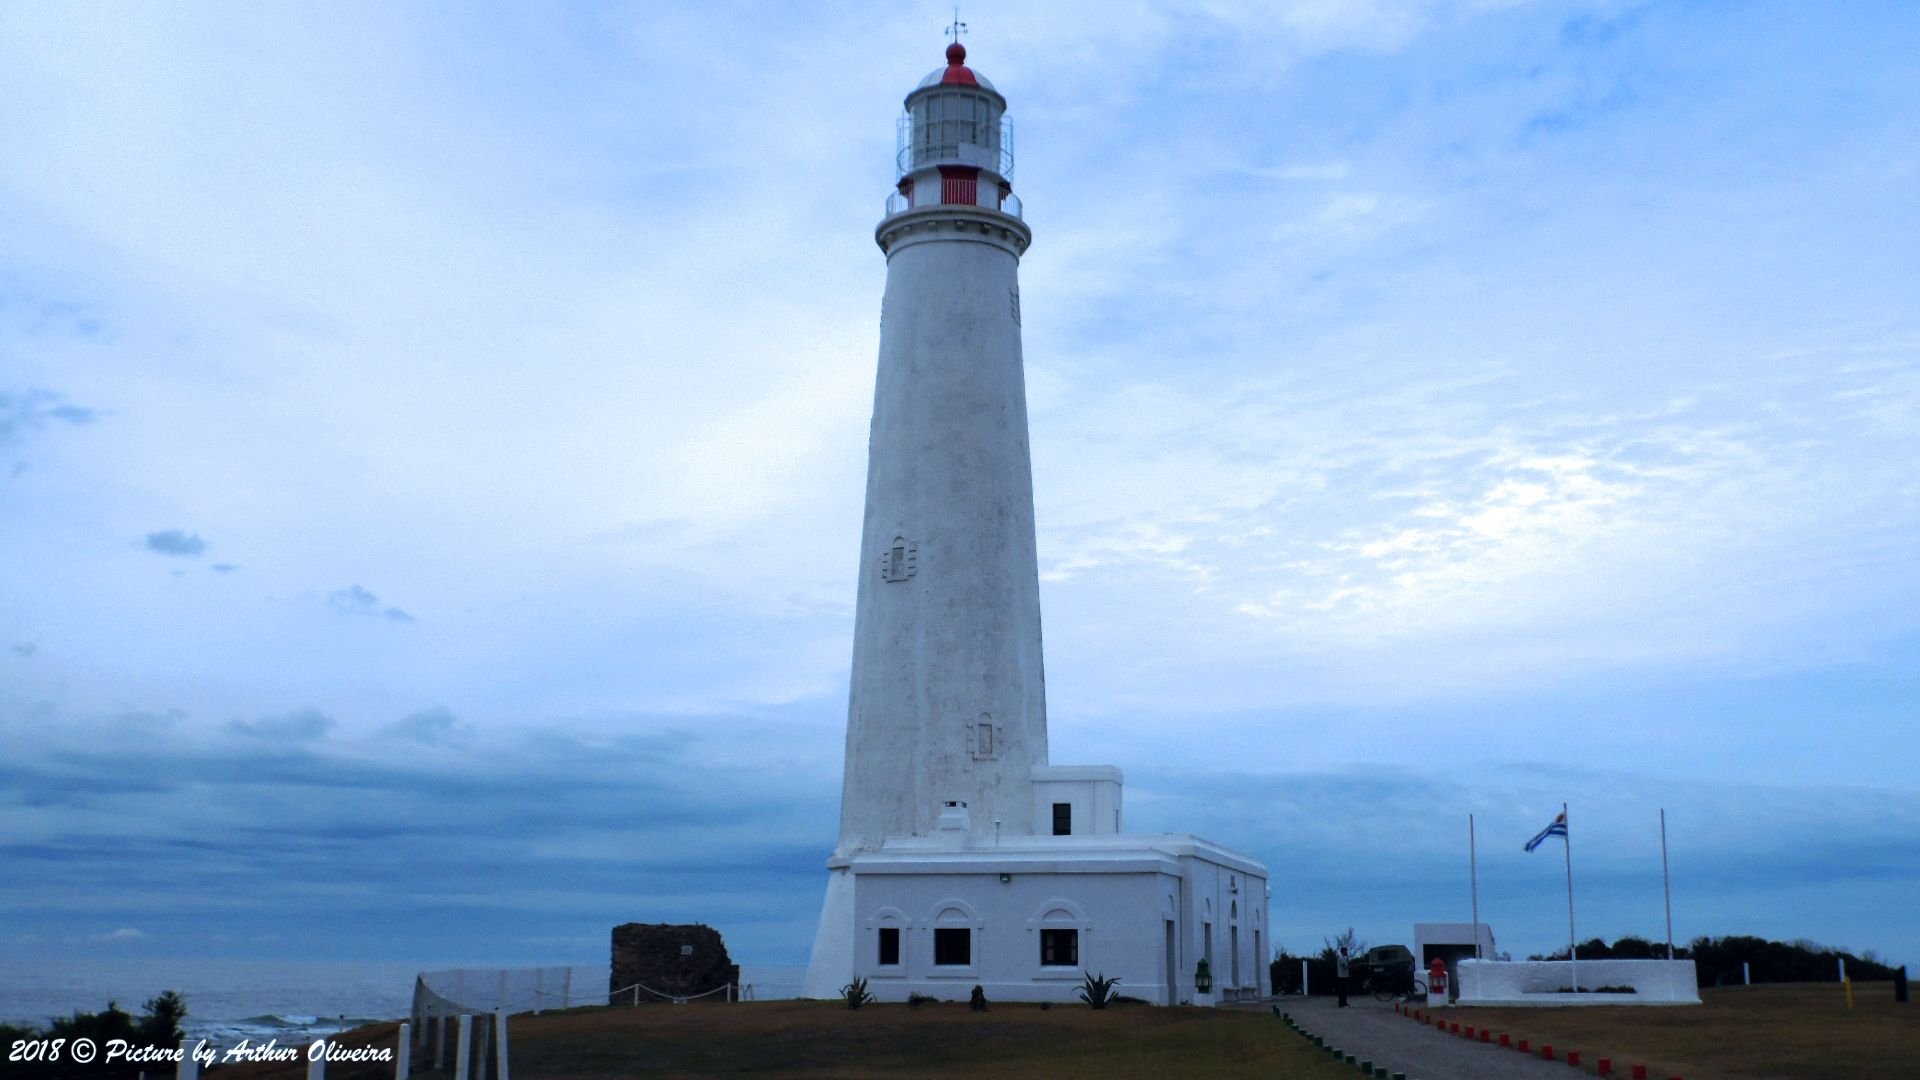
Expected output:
(987, 197)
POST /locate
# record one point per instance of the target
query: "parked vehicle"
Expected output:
(1390, 973)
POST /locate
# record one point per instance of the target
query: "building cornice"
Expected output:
(950, 222)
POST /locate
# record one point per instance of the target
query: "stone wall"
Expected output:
(676, 961)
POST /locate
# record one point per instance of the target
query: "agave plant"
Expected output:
(1098, 991)
(856, 994)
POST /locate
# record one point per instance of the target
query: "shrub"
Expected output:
(856, 994)
(1098, 991)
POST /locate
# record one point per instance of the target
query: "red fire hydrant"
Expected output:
(1437, 979)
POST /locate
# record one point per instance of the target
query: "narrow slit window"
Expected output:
(889, 946)
(1062, 819)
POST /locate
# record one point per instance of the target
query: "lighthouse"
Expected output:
(964, 856)
(948, 703)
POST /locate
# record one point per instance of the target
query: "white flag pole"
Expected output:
(1666, 882)
(1573, 957)
(1473, 876)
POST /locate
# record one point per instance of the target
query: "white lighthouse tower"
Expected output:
(948, 702)
(964, 857)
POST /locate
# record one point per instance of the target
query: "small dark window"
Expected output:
(889, 946)
(1060, 948)
(1062, 819)
(953, 947)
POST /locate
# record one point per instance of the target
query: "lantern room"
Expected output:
(955, 143)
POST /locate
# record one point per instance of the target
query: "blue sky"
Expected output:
(432, 441)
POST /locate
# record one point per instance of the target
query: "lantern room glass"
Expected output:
(955, 125)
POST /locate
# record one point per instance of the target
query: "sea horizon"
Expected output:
(257, 999)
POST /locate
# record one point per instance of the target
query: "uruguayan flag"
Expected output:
(1558, 828)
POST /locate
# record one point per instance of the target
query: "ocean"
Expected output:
(230, 1000)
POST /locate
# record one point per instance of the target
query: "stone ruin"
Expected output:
(670, 962)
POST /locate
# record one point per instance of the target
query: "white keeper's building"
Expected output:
(965, 858)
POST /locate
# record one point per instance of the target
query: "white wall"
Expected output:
(1225, 899)
(956, 644)
(1120, 910)
(1538, 982)
(1117, 916)
(1093, 791)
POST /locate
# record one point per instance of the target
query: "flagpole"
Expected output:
(1666, 882)
(1573, 956)
(1473, 876)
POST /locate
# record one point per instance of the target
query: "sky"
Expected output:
(432, 439)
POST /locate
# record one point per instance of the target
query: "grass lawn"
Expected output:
(1787, 1031)
(826, 1039)
(1793, 1032)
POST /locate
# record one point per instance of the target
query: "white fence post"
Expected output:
(316, 1067)
(1304, 989)
(403, 1053)
(1746, 973)
(566, 990)
(463, 1053)
(189, 1065)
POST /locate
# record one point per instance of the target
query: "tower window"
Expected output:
(899, 560)
(952, 947)
(984, 739)
(1059, 948)
(1062, 819)
(889, 946)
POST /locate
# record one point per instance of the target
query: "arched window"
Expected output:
(954, 925)
(1060, 930)
(888, 930)
(900, 560)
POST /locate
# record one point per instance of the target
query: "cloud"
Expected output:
(524, 833)
(553, 832)
(24, 648)
(430, 726)
(300, 725)
(125, 933)
(176, 543)
(223, 568)
(357, 600)
(26, 412)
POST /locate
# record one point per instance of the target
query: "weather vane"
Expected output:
(957, 28)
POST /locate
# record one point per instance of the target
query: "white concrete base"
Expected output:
(1539, 982)
(830, 966)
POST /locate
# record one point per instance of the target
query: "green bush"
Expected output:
(1098, 991)
(856, 994)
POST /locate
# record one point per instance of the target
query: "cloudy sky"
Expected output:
(432, 440)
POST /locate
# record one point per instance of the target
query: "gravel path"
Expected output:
(1370, 1029)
